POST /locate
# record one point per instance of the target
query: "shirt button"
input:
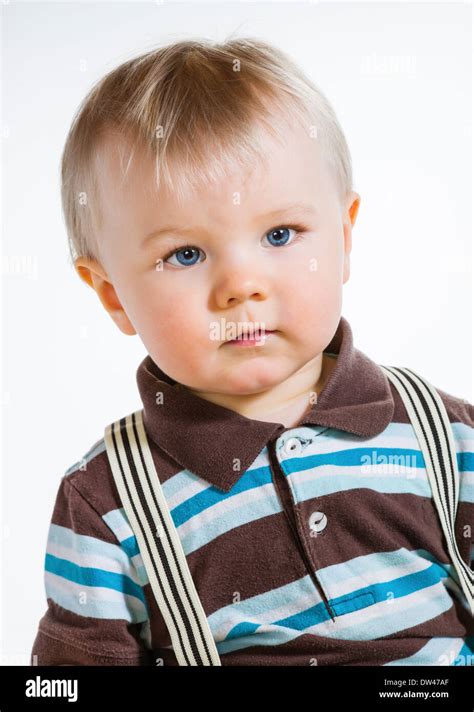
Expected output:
(318, 521)
(292, 446)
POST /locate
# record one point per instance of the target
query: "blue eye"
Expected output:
(279, 236)
(186, 256)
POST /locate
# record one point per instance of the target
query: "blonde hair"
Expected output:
(193, 105)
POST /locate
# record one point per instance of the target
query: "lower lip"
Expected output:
(251, 342)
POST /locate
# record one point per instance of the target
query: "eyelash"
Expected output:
(299, 229)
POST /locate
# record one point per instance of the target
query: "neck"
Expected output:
(285, 403)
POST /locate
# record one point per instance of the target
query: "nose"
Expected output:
(238, 285)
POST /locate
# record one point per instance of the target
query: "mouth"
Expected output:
(257, 339)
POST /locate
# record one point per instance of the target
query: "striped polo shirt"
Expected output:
(318, 544)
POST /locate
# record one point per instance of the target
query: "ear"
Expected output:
(350, 215)
(91, 272)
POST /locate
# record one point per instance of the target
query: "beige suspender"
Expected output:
(430, 421)
(162, 553)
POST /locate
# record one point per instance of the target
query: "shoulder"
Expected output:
(459, 409)
(88, 521)
(87, 499)
(91, 476)
(461, 416)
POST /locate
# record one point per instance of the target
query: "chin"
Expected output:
(250, 379)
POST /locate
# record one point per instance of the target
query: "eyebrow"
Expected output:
(298, 208)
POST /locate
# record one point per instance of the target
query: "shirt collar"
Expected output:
(206, 438)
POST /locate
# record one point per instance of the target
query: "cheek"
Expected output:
(313, 280)
(171, 324)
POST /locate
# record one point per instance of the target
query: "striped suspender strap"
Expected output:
(431, 424)
(158, 541)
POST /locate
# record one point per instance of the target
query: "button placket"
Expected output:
(293, 447)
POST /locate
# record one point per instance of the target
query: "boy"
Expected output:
(208, 197)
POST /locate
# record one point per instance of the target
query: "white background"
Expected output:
(399, 78)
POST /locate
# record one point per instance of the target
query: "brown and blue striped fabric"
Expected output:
(318, 544)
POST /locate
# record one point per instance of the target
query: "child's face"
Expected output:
(240, 272)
